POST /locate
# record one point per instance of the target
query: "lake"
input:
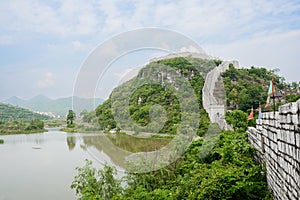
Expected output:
(42, 166)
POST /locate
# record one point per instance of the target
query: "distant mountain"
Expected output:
(10, 112)
(58, 106)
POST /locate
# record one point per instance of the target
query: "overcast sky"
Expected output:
(44, 43)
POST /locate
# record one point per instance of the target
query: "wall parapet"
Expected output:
(277, 140)
(216, 111)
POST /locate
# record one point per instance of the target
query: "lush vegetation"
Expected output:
(292, 97)
(247, 88)
(9, 112)
(20, 126)
(14, 120)
(227, 172)
(54, 122)
(95, 184)
(70, 119)
(143, 99)
(81, 124)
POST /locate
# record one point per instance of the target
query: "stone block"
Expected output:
(258, 122)
(264, 115)
(292, 128)
(295, 194)
(276, 115)
(271, 115)
(277, 124)
(292, 137)
(294, 108)
(276, 148)
(265, 132)
(270, 135)
(268, 114)
(280, 146)
(292, 152)
(283, 135)
(297, 139)
(284, 108)
(282, 118)
(298, 155)
(285, 126)
(288, 119)
(275, 136)
(295, 119)
(298, 122)
(278, 134)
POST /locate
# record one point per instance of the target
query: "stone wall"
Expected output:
(215, 110)
(277, 140)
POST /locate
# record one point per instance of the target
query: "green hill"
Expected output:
(9, 112)
(169, 76)
(248, 87)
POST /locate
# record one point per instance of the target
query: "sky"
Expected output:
(43, 44)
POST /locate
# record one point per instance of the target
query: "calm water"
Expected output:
(47, 173)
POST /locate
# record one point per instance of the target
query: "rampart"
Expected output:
(277, 140)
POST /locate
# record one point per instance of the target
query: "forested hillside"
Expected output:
(9, 112)
(169, 73)
(247, 88)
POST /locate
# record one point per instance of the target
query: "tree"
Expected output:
(70, 118)
(238, 119)
(84, 113)
(91, 183)
(35, 124)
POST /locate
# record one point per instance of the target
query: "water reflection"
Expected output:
(99, 144)
(119, 148)
(71, 142)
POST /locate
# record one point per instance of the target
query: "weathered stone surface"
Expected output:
(277, 139)
(295, 119)
(293, 108)
(297, 138)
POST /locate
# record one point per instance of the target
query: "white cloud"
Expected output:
(47, 81)
(70, 18)
(200, 19)
(270, 51)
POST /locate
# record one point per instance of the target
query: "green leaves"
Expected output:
(248, 87)
(70, 118)
(227, 172)
(238, 120)
(176, 73)
(92, 183)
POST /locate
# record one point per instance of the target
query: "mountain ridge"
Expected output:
(58, 107)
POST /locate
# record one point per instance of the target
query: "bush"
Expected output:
(91, 183)
(238, 120)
